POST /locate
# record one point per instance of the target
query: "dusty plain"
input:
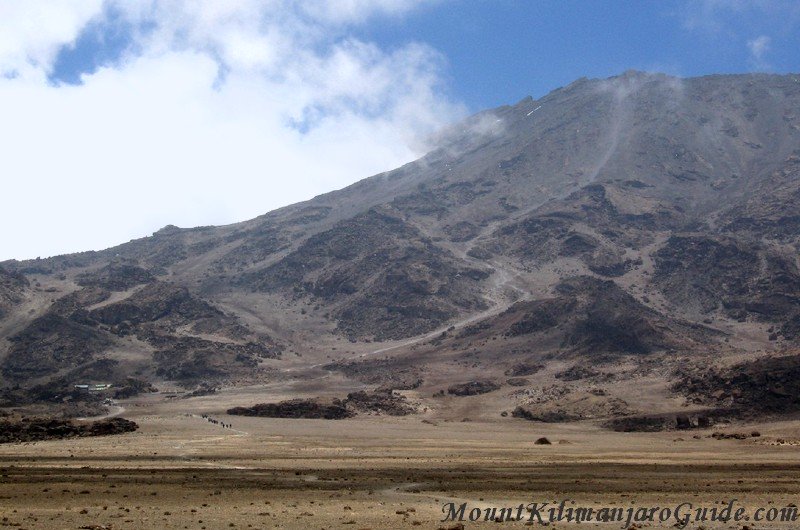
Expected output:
(181, 471)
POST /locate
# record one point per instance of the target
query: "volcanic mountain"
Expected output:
(641, 229)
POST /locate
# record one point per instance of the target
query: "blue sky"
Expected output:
(498, 51)
(502, 50)
(142, 113)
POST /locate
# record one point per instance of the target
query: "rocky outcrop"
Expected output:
(589, 315)
(191, 359)
(52, 343)
(73, 336)
(576, 373)
(396, 374)
(742, 280)
(764, 386)
(167, 304)
(547, 416)
(116, 277)
(473, 388)
(524, 368)
(12, 289)
(414, 286)
(672, 421)
(40, 429)
(379, 402)
(296, 409)
(376, 402)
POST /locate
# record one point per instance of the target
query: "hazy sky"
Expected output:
(118, 117)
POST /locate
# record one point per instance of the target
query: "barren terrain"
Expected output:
(181, 471)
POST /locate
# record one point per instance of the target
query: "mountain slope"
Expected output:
(640, 219)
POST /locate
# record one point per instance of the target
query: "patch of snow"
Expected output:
(534, 110)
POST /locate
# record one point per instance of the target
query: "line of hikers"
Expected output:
(217, 422)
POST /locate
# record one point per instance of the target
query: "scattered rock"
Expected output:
(473, 388)
(379, 402)
(523, 369)
(576, 373)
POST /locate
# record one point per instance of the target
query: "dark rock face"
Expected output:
(764, 386)
(193, 359)
(71, 336)
(473, 388)
(73, 306)
(462, 231)
(254, 246)
(49, 344)
(414, 285)
(377, 402)
(542, 315)
(672, 421)
(611, 320)
(768, 211)
(12, 287)
(388, 373)
(297, 409)
(37, 429)
(576, 373)
(544, 417)
(589, 315)
(701, 270)
(155, 313)
(156, 302)
(547, 236)
(737, 278)
(116, 277)
(523, 369)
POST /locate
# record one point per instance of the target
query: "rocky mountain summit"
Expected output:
(625, 225)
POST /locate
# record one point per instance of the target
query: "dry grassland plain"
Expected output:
(181, 471)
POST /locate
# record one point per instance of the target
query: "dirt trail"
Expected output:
(407, 491)
(188, 453)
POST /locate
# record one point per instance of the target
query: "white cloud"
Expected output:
(31, 31)
(713, 15)
(224, 111)
(729, 18)
(758, 48)
(341, 11)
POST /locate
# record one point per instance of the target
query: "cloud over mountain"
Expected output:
(199, 112)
